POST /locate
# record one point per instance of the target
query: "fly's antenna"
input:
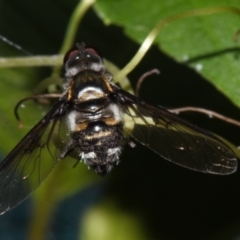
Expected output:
(16, 46)
(81, 47)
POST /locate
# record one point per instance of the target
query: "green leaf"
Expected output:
(204, 43)
(13, 82)
(107, 222)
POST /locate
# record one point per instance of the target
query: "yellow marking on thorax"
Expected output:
(70, 86)
(107, 83)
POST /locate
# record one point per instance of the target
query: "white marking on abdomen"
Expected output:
(112, 151)
(86, 156)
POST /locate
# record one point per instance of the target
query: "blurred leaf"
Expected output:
(64, 181)
(205, 43)
(107, 222)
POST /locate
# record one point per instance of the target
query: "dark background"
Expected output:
(172, 202)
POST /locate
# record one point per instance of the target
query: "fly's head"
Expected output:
(84, 66)
(82, 58)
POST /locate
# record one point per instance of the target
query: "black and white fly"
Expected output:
(92, 120)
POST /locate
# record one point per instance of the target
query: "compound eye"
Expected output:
(93, 52)
(71, 54)
(82, 51)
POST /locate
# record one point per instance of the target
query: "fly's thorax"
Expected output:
(88, 86)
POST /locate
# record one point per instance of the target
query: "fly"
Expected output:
(92, 121)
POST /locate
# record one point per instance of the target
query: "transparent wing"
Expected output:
(175, 139)
(29, 163)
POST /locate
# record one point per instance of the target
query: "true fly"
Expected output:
(92, 120)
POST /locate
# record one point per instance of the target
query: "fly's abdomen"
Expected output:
(96, 136)
(99, 145)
